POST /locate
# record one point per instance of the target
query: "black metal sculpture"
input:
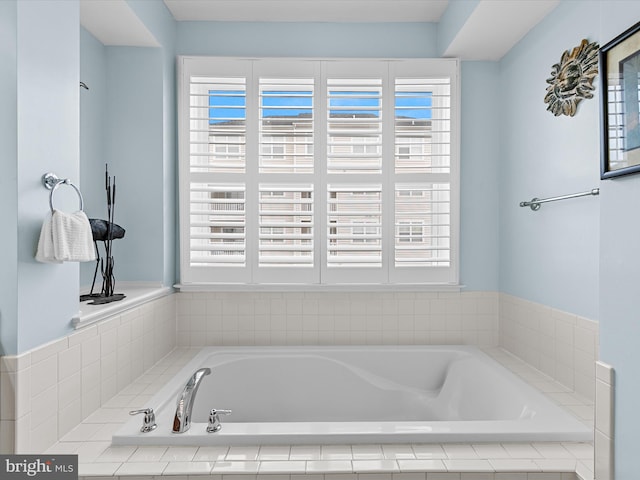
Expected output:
(105, 231)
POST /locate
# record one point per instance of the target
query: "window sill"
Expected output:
(219, 287)
(136, 295)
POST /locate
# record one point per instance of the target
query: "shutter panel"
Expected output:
(286, 125)
(354, 223)
(286, 225)
(217, 225)
(422, 166)
(217, 127)
(422, 225)
(422, 125)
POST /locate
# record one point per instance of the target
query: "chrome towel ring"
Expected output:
(52, 182)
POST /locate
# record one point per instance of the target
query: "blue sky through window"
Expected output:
(286, 103)
(228, 105)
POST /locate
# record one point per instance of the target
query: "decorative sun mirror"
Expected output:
(572, 78)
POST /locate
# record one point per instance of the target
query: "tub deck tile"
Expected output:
(468, 465)
(329, 466)
(141, 468)
(179, 454)
(426, 452)
(369, 466)
(188, 468)
(556, 464)
(98, 469)
(274, 452)
(242, 453)
(250, 467)
(421, 466)
(514, 465)
(283, 467)
(397, 452)
(336, 452)
(148, 454)
(210, 454)
(367, 452)
(305, 452)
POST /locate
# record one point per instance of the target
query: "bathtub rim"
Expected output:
(281, 433)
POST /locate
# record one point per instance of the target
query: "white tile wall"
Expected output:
(562, 345)
(604, 422)
(48, 391)
(337, 318)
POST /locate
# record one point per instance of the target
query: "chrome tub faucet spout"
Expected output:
(182, 418)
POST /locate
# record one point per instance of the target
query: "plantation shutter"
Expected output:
(318, 172)
(424, 227)
(213, 119)
(355, 193)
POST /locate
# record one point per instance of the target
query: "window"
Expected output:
(318, 171)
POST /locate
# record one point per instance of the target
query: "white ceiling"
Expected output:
(491, 30)
(308, 10)
(114, 23)
(495, 26)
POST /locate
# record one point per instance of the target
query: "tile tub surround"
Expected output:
(604, 422)
(562, 345)
(484, 461)
(47, 392)
(274, 318)
(336, 318)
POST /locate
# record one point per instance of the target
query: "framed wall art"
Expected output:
(620, 112)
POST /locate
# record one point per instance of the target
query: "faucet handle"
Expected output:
(214, 421)
(149, 422)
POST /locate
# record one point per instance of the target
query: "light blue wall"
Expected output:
(134, 151)
(620, 277)
(479, 169)
(93, 109)
(161, 24)
(307, 39)
(47, 140)
(549, 256)
(9, 177)
(135, 135)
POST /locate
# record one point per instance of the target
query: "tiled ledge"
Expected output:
(136, 294)
(485, 461)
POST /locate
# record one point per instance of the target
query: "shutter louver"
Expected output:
(218, 218)
(286, 225)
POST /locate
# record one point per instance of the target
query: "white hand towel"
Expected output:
(72, 238)
(45, 252)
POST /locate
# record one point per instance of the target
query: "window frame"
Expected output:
(320, 275)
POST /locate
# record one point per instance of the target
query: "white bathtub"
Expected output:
(350, 395)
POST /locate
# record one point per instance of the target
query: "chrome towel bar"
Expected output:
(51, 182)
(535, 203)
